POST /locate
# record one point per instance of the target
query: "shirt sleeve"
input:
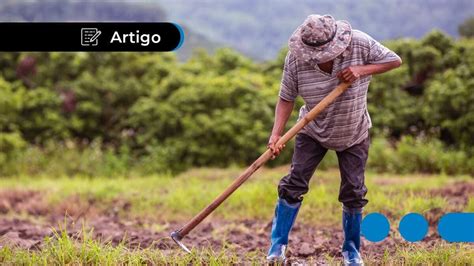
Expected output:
(378, 54)
(289, 81)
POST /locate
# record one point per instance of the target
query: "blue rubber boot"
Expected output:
(285, 215)
(351, 219)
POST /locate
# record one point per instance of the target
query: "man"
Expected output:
(322, 53)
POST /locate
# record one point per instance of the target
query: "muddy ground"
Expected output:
(307, 241)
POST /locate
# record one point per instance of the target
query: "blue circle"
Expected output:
(413, 227)
(375, 227)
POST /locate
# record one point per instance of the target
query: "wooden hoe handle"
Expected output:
(311, 115)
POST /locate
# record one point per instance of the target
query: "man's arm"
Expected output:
(352, 73)
(377, 59)
(282, 113)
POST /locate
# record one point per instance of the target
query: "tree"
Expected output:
(449, 100)
(466, 29)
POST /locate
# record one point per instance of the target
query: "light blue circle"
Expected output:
(375, 227)
(413, 227)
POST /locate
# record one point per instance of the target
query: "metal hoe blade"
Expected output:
(311, 115)
(176, 236)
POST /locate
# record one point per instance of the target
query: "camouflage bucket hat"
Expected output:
(320, 39)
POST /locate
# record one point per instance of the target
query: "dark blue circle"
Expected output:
(413, 227)
(375, 227)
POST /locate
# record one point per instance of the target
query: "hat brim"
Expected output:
(326, 52)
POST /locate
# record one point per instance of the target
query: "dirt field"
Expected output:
(28, 218)
(307, 242)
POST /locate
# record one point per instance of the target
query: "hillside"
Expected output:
(257, 28)
(261, 28)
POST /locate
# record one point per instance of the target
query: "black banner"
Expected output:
(90, 36)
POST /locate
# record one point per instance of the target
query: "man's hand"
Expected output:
(282, 113)
(272, 145)
(351, 74)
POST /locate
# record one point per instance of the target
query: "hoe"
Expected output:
(178, 235)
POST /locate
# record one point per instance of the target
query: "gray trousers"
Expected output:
(306, 157)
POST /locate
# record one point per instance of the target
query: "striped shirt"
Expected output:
(345, 122)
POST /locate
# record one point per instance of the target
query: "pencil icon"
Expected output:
(96, 35)
(89, 36)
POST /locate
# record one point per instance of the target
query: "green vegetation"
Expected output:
(115, 138)
(466, 29)
(160, 200)
(64, 250)
(181, 197)
(441, 255)
(124, 113)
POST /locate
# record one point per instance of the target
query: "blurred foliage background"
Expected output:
(109, 114)
(118, 113)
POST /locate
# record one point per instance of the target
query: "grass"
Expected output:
(179, 198)
(444, 254)
(61, 249)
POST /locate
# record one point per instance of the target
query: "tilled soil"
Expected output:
(307, 242)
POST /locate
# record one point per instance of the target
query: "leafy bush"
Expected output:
(11, 145)
(214, 121)
(147, 112)
(450, 101)
(382, 156)
(418, 155)
(68, 159)
(466, 29)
